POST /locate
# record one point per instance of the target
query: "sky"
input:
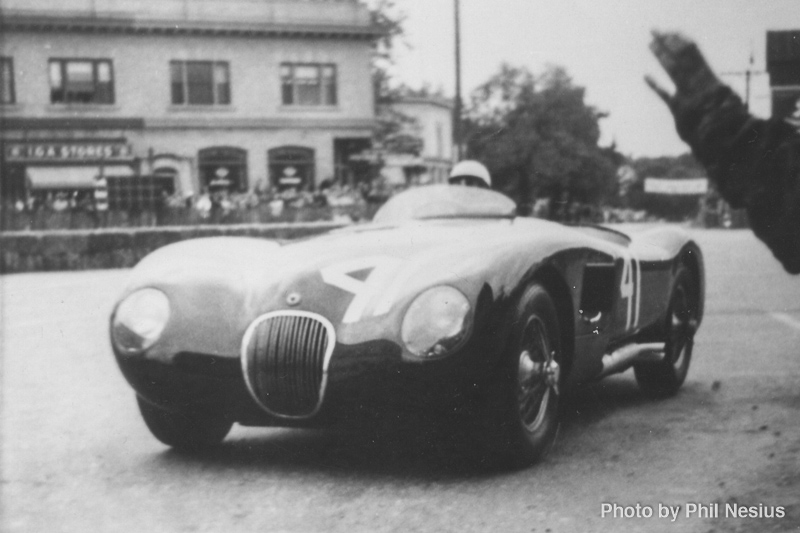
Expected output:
(603, 44)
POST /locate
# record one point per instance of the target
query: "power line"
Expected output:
(748, 74)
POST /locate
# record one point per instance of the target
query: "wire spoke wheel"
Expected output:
(680, 335)
(537, 375)
(521, 416)
(665, 377)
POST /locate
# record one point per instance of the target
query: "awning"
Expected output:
(117, 171)
(71, 177)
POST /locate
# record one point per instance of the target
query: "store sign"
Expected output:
(289, 177)
(61, 152)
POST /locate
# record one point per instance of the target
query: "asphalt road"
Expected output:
(77, 457)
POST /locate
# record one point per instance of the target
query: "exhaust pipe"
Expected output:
(625, 356)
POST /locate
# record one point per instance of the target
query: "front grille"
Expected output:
(285, 361)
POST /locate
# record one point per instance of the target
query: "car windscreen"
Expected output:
(445, 201)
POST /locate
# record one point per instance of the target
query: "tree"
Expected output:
(392, 130)
(539, 139)
(388, 20)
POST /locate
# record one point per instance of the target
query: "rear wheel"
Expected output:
(183, 431)
(664, 378)
(523, 407)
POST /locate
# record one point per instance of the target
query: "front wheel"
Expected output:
(664, 378)
(524, 400)
(183, 431)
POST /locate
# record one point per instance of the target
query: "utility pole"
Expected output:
(457, 107)
(748, 74)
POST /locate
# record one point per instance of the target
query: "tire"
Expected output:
(523, 405)
(664, 379)
(182, 431)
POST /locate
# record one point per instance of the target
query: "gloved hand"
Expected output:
(702, 104)
(684, 63)
(754, 163)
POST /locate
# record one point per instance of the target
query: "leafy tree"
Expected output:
(391, 131)
(388, 19)
(539, 139)
(392, 127)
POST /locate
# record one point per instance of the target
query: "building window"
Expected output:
(308, 84)
(223, 168)
(200, 82)
(81, 81)
(7, 81)
(291, 167)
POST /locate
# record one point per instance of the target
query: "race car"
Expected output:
(446, 302)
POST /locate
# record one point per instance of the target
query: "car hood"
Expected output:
(361, 279)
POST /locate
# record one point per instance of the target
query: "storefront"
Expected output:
(104, 96)
(41, 167)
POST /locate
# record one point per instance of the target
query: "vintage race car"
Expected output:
(447, 303)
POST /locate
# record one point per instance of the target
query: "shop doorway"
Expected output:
(12, 182)
(349, 171)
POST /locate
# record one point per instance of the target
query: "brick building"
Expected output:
(234, 93)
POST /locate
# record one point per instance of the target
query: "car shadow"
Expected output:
(411, 448)
(593, 402)
(407, 450)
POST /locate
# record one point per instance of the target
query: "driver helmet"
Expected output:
(470, 173)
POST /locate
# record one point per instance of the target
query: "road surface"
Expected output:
(77, 457)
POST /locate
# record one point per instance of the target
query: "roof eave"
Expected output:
(38, 23)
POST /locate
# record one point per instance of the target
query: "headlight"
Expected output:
(436, 322)
(140, 320)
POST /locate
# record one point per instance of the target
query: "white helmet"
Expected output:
(470, 169)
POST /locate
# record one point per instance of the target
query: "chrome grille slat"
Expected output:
(302, 384)
(297, 373)
(315, 349)
(285, 358)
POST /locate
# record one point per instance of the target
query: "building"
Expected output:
(431, 122)
(783, 65)
(226, 93)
